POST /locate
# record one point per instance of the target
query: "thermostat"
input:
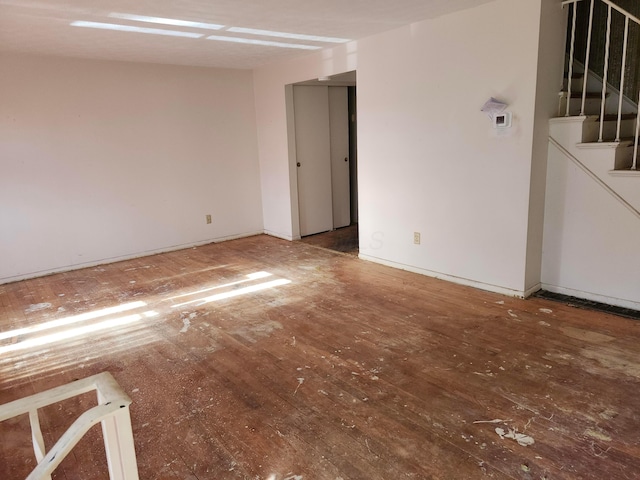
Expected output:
(502, 120)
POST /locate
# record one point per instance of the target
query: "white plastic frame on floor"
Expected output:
(112, 411)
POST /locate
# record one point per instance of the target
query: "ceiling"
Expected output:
(44, 27)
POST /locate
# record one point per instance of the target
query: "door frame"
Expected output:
(291, 146)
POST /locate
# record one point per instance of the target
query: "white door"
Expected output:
(313, 152)
(339, 131)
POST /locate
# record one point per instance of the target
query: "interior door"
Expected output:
(339, 132)
(313, 152)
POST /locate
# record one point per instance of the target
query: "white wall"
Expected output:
(106, 160)
(553, 25)
(277, 169)
(590, 239)
(429, 160)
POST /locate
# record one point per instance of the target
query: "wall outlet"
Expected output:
(416, 238)
(208, 219)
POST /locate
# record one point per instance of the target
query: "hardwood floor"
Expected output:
(327, 368)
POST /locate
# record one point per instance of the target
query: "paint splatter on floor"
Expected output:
(186, 322)
(598, 435)
(521, 438)
(36, 307)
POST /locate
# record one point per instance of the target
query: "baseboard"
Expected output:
(453, 279)
(103, 261)
(530, 291)
(595, 297)
(281, 235)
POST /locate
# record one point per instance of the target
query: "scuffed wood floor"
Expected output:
(328, 368)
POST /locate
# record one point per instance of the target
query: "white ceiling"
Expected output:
(43, 26)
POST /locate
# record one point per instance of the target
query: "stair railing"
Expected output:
(112, 412)
(628, 17)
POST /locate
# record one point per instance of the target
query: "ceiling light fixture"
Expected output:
(129, 28)
(267, 43)
(294, 36)
(166, 21)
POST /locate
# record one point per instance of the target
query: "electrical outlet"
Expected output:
(208, 219)
(416, 238)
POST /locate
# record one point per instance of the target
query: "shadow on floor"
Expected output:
(343, 240)
(588, 304)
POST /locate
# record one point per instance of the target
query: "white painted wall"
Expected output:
(590, 239)
(106, 160)
(277, 166)
(553, 24)
(429, 160)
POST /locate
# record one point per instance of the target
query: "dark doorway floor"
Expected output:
(589, 305)
(343, 240)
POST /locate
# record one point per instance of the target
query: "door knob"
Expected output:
(346, 159)
(298, 164)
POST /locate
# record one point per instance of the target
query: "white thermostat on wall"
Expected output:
(502, 120)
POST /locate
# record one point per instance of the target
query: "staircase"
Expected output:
(598, 124)
(592, 200)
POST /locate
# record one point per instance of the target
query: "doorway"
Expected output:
(324, 131)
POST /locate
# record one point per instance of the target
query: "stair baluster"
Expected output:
(622, 74)
(605, 75)
(610, 60)
(571, 56)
